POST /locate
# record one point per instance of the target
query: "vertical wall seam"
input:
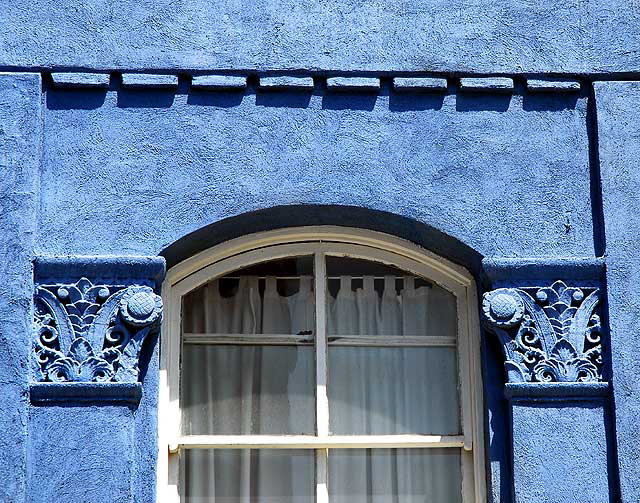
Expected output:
(597, 208)
(613, 463)
(599, 240)
(36, 205)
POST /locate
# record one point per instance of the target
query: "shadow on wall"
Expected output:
(365, 100)
(280, 217)
(75, 99)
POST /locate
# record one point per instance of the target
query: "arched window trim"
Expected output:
(321, 241)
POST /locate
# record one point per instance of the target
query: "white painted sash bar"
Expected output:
(316, 442)
(333, 340)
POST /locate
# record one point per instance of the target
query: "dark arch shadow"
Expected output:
(279, 217)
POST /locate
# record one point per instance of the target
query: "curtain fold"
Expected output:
(270, 390)
(385, 390)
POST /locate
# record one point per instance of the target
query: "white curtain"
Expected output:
(271, 390)
(385, 390)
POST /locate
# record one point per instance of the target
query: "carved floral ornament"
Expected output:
(90, 333)
(547, 334)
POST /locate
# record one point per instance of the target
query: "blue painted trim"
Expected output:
(126, 267)
(83, 393)
(556, 390)
(78, 80)
(285, 81)
(353, 83)
(493, 84)
(149, 80)
(543, 85)
(223, 82)
(511, 269)
(424, 84)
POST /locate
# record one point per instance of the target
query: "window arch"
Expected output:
(380, 263)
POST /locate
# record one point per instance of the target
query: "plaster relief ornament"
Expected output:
(547, 334)
(90, 333)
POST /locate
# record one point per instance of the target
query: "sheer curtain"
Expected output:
(229, 389)
(391, 390)
(232, 389)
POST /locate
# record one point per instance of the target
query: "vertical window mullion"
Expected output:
(322, 402)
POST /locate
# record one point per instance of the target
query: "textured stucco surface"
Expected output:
(619, 135)
(132, 172)
(81, 454)
(20, 142)
(559, 452)
(412, 35)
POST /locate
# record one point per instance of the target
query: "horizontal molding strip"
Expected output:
(356, 83)
(52, 267)
(315, 442)
(137, 80)
(556, 390)
(541, 86)
(286, 82)
(49, 393)
(221, 82)
(574, 268)
(495, 84)
(365, 82)
(419, 84)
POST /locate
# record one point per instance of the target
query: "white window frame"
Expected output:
(320, 241)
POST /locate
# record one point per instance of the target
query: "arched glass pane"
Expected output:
(368, 298)
(248, 359)
(392, 365)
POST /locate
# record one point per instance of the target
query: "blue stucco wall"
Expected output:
(134, 171)
(619, 139)
(542, 471)
(595, 36)
(541, 179)
(20, 144)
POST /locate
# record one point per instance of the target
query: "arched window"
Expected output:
(320, 364)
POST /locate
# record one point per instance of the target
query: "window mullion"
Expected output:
(322, 401)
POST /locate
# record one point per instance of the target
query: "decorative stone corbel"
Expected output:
(89, 335)
(92, 333)
(548, 334)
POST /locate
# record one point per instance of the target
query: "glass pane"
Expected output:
(273, 297)
(229, 388)
(248, 389)
(243, 475)
(395, 475)
(372, 299)
(377, 391)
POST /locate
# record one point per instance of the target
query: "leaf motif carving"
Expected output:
(80, 350)
(60, 318)
(90, 333)
(557, 337)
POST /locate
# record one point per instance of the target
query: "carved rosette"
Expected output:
(549, 334)
(92, 333)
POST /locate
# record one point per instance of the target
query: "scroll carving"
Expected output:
(549, 334)
(92, 333)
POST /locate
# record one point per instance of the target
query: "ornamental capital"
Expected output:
(548, 334)
(92, 333)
